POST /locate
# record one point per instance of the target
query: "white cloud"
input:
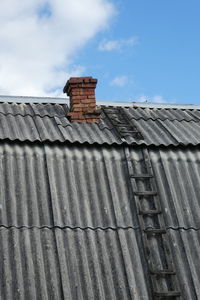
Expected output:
(158, 99)
(111, 45)
(153, 99)
(119, 81)
(39, 39)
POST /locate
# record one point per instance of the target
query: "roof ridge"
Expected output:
(166, 119)
(65, 100)
(29, 115)
(149, 105)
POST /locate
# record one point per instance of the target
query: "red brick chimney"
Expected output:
(81, 91)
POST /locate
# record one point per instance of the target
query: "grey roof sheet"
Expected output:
(71, 264)
(185, 249)
(29, 265)
(68, 222)
(24, 189)
(174, 114)
(88, 187)
(68, 264)
(61, 234)
(64, 186)
(177, 173)
(48, 122)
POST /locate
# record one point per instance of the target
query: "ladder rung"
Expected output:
(125, 133)
(167, 294)
(150, 212)
(155, 231)
(141, 176)
(163, 272)
(145, 193)
(124, 128)
(128, 131)
(118, 122)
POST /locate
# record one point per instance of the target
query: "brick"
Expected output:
(72, 86)
(87, 85)
(89, 111)
(75, 101)
(87, 92)
(75, 92)
(93, 80)
(77, 109)
(92, 100)
(88, 101)
(91, 97)
(86, 79)
(79, 79)
(81, 85)
(76, 115)
(81, 105)
(77, 98)
(74, 80)
(92, 111)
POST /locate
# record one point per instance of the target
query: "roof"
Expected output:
(47, 122)
(69, 226)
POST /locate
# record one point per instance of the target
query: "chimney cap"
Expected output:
(79, 82)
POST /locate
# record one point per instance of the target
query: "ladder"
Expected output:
(154, 234)
(122, 125)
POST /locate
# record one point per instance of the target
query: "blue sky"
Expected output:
(139, 50)
(164, 65)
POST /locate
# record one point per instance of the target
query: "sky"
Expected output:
(139, 50)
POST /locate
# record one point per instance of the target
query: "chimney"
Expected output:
(81, 91)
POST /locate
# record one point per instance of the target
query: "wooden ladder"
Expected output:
(121, 124)
(154, 234)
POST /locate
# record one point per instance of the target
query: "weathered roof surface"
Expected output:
(43, 185)
(69, 226)
(88, 187)
(71, 264)
(177, 173)
(48, 122)
(185, 249)
(61, 264)
(63, 235)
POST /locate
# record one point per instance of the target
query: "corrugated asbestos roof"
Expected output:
(87, 187)
(64, 186)
(69, 225)
(48, 122)
(177, 173)
(70, 264)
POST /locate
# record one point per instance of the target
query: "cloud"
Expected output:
(112, 45)
(153, 99)
(39, 39)
(119, 81)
